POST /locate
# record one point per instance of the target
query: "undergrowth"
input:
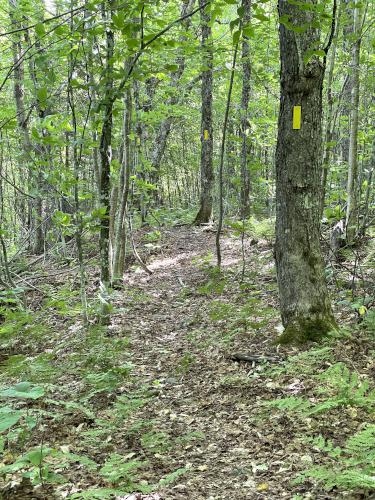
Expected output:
(48, 432)
(343, 465)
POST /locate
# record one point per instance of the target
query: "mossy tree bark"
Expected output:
(304, 301)
(207, 174)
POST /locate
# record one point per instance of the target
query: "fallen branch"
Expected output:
(135, 253)
(254, 358)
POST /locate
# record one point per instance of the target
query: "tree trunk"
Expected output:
(120, 234)
(105, 164)
(207, 173)
(246, 70)
(22, 118)
(330, 121)
(304, 301)
(353, 188)
(165, 127)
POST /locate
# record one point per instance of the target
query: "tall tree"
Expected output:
(165, 127)
(353, 188)
(304, 300)
(207, 173)
(105, 164)
(246, 88)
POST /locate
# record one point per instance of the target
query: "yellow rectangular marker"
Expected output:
(296, 117)
(206, 135)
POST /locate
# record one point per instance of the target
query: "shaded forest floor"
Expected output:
(155, 404)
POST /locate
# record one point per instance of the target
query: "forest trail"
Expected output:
(152, 403)
(182, 323)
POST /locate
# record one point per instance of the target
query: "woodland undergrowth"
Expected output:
(77, 415)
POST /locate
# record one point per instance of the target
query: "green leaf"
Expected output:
(42, 94)
(118, 20)
(249, 31)
(241, 11)
(35, 457)
(8, 418)
(234, 23)
(261, 17)
(23, 390)
(309, 54)
(40, 30)
(132, 43)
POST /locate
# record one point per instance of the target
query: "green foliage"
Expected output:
(156, 442)
(340, 387)
(171, 478)
(334, 214)
(110, 379)
(216, 282)
(369, 321)
(152, 236)
(121, 471)
(9, 299)
(9, 417)
(353, 465)
(185, 363)
(23, 390)
(33, 465)
(261, 229)
(348, 387)
(220, 310)
(250, 315)
(15, 323)
(65, 302)
(307, 362)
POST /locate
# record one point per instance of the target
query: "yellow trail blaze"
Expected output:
(296, 117)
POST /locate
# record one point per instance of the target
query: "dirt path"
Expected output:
(183, 413)
(204, 403)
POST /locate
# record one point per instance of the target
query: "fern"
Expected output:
(171, 478)
(98, 494)
(348, 479)
(290, 404)
(120, 472)
(341, 388)
(350, 389)
(356, 466)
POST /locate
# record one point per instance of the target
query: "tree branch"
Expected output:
(333, 28)
(45, 21)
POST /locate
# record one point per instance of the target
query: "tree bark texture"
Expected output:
(105, 163)
(304, 301)
(207, 173)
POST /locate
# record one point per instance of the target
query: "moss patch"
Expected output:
(304, 330)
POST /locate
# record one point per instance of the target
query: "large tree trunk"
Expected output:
(207, 173)
(304, 301)
(245, 139)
